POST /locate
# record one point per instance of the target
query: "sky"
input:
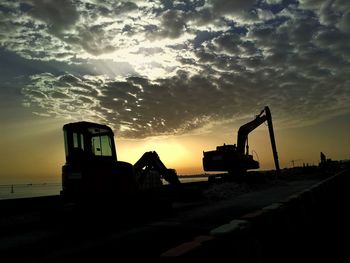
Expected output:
(176, 77)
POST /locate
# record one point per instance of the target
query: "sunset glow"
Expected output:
(175, 77)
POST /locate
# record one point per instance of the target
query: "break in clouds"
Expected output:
(171, 67)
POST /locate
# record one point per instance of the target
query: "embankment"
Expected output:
(312, 225)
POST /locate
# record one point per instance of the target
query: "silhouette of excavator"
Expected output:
(93, 171)
(233, 158)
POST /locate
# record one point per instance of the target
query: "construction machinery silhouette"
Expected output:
(92, 169)
(235, 159)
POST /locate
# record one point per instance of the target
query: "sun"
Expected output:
(171, 151)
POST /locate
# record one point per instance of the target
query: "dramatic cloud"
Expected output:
(170, 67)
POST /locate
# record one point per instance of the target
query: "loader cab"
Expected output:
(91, 166)
(85, 141)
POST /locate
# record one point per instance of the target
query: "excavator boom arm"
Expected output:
(272, 139)
(244, 130)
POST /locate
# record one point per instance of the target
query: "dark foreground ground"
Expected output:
(45, 230)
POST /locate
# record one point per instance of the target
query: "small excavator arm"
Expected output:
(150, 160)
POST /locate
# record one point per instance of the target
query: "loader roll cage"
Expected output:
(86, 140)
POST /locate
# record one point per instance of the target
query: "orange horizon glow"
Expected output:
(35, 152)
(168, 77)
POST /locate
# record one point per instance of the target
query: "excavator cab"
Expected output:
(227, 158)
(91, 168)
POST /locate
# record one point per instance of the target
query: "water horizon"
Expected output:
(26, 190)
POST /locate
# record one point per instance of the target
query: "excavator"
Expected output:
(235, 159)
(93, 171)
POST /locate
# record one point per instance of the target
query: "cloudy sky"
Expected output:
(178, 77)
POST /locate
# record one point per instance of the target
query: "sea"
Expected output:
(12, 191)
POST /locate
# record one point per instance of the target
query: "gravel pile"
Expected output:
(228, 190)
